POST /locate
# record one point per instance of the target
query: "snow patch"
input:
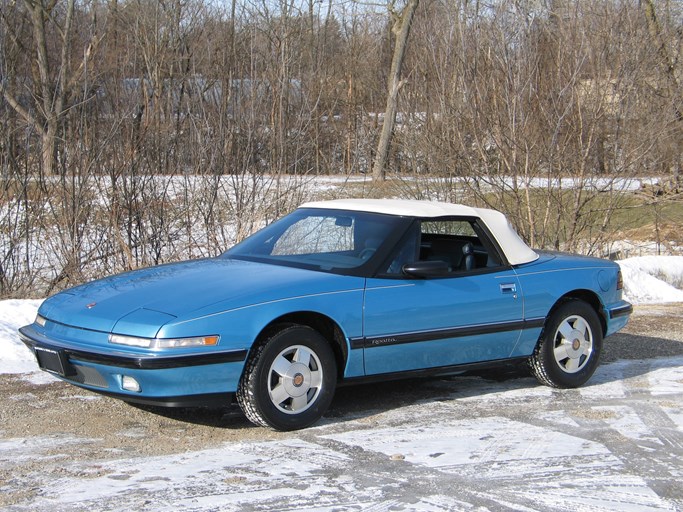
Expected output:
(653, 279)
(14, 356)
(473, 442)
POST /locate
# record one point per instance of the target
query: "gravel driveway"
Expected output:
(472, 442)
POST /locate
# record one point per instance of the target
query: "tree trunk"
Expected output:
(49, 147)
(52, 95)
(401, 30)
(667, 63)
(672, 85)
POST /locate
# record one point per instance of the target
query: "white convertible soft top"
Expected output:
(516, 251)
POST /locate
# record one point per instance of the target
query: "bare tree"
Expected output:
(54, 80)
(402, 21)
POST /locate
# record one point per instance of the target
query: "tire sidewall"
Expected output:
(278, 342)
(555, 374)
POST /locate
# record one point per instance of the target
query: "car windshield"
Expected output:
(321, 239)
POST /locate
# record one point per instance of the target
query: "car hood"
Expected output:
(158, 295)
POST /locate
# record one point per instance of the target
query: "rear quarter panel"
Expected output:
(554, 275)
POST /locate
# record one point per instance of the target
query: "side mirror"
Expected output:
(426, 269)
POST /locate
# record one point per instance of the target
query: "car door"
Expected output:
(468, 311)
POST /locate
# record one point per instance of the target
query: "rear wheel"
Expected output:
(569, 348)
(289, 379)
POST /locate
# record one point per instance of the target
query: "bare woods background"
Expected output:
(136, 131)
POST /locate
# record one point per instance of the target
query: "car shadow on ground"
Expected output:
(228, 417)
(358, 401)
(637, 347)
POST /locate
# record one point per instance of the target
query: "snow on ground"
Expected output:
(480, 446)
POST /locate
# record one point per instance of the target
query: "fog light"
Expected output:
(130, 384)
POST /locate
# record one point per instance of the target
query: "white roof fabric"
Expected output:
(516, 251)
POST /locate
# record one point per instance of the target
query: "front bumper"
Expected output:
(170, 381)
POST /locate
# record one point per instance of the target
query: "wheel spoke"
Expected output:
(316, 379)
(281, 366)
(561, 352)
(299, 402)
(572, 364)
(278, 394)
(303, 356)
(581, 326)
(566, 329)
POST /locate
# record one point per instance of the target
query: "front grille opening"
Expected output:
(89, 377)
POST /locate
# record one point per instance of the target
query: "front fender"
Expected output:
(240, 327)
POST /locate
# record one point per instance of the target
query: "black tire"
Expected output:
(568, 350)
(289, 379)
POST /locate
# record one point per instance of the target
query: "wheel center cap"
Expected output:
(297, 380)
(576, 344)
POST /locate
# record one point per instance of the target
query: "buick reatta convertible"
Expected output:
(337, 292)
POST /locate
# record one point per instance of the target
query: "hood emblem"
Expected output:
(91, 305)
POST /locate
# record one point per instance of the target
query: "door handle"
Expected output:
(508, 288)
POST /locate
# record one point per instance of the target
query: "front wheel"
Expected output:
(568, 351)
(289, 379)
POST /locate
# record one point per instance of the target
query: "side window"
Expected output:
(458, 243)
(447, 228)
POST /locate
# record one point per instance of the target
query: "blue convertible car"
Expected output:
(336, 292)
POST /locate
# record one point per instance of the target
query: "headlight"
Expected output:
(132, 341)
(40, 320)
